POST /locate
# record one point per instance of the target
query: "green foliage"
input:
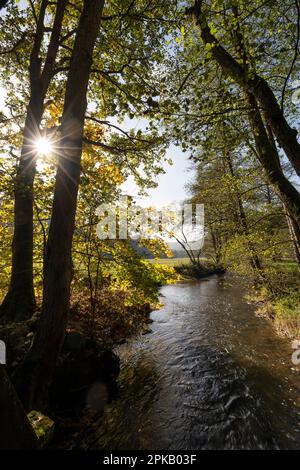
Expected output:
(287, 310)
(288, 306)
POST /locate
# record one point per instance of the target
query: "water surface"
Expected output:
(211, 375)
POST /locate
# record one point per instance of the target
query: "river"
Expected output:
(210, 375)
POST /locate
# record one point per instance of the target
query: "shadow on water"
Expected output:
(120, 426)
(211, 375)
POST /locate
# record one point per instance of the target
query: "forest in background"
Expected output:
(219, 79)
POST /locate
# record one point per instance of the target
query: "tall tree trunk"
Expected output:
(268, 157)
(41, 359)
(293, 226)
(253, 83)
(15, 430)
(19, 302)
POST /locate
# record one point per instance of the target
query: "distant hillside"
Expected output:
(145, 253)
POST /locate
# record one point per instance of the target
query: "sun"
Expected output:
(43, 146)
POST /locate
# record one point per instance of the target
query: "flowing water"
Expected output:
(210, 375)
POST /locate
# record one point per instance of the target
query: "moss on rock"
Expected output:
(43, 427)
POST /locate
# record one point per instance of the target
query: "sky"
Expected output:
(170, 185)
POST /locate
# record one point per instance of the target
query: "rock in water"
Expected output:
(15, 429)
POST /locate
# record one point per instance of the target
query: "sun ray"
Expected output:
(43, 146)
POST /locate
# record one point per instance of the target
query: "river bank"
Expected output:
(86, 372)
(282, 311)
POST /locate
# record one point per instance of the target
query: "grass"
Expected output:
(282, 303)
(170, 261)
(287, 310)
(287, 266)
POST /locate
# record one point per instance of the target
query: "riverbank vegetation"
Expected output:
(95, 92)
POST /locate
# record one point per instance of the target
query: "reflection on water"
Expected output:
(211, 375)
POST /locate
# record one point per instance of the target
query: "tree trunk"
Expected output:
(268, 157)
(216, 246)
(285, 134)
(41, 359)
(293, 227)
(19, 302)
(292, 224)
(15, 430)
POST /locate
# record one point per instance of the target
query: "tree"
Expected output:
(268, 156)
(205, 92)
(257, 92)
(16, 431)
(3, 3)
(118, 80)
(19, 302)
(244, 222)
(251, 82)
(48, 341)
